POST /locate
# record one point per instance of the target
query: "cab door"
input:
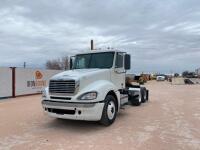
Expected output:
(118, 72)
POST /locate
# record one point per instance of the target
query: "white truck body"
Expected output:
(102, 81)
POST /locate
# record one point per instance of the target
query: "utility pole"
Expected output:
(24, 64)
(92, 45)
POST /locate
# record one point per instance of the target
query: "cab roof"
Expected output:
(99, 51)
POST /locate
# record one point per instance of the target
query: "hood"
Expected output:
(78, 74)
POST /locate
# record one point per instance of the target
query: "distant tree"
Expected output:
(65, 63)
(58, 64)
(53, 64)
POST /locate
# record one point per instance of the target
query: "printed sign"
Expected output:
(30, 81)
(38, 82)
(38, 75)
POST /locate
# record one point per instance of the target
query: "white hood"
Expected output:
(84, 76)
(78, 74)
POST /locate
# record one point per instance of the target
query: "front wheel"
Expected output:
(109, 111)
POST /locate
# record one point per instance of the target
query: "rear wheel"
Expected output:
(109, 111)
(147, 92)
(135, 100)
(143, 94)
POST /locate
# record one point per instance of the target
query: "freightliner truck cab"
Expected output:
(94, 89)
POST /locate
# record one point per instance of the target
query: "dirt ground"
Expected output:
(169, 121)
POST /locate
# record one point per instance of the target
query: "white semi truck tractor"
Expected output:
(94, 89)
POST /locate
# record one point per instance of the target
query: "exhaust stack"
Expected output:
(92, 45)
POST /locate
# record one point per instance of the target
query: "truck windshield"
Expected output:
(94, 60)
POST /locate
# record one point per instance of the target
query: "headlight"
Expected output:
(88, 96)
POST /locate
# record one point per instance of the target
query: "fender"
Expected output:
(102, 87)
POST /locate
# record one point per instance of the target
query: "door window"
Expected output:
(119, 60)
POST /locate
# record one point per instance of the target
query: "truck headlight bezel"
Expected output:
(88, 96)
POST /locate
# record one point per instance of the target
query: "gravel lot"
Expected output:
(169, 121)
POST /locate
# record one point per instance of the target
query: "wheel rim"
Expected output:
(111, 110)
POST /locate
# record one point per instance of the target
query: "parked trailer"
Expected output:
(94, 89)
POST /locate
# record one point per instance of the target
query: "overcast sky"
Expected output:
(161, 35)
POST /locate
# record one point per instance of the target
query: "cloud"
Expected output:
(160, 35)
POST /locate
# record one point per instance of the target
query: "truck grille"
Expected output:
(62, 86)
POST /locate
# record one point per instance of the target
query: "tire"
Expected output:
(143, 94)
(147, 96)
(135, 101)
(109, 111)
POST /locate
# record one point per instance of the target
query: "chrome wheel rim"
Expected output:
(111, 110)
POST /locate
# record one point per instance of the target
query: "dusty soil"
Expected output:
(169, 121)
